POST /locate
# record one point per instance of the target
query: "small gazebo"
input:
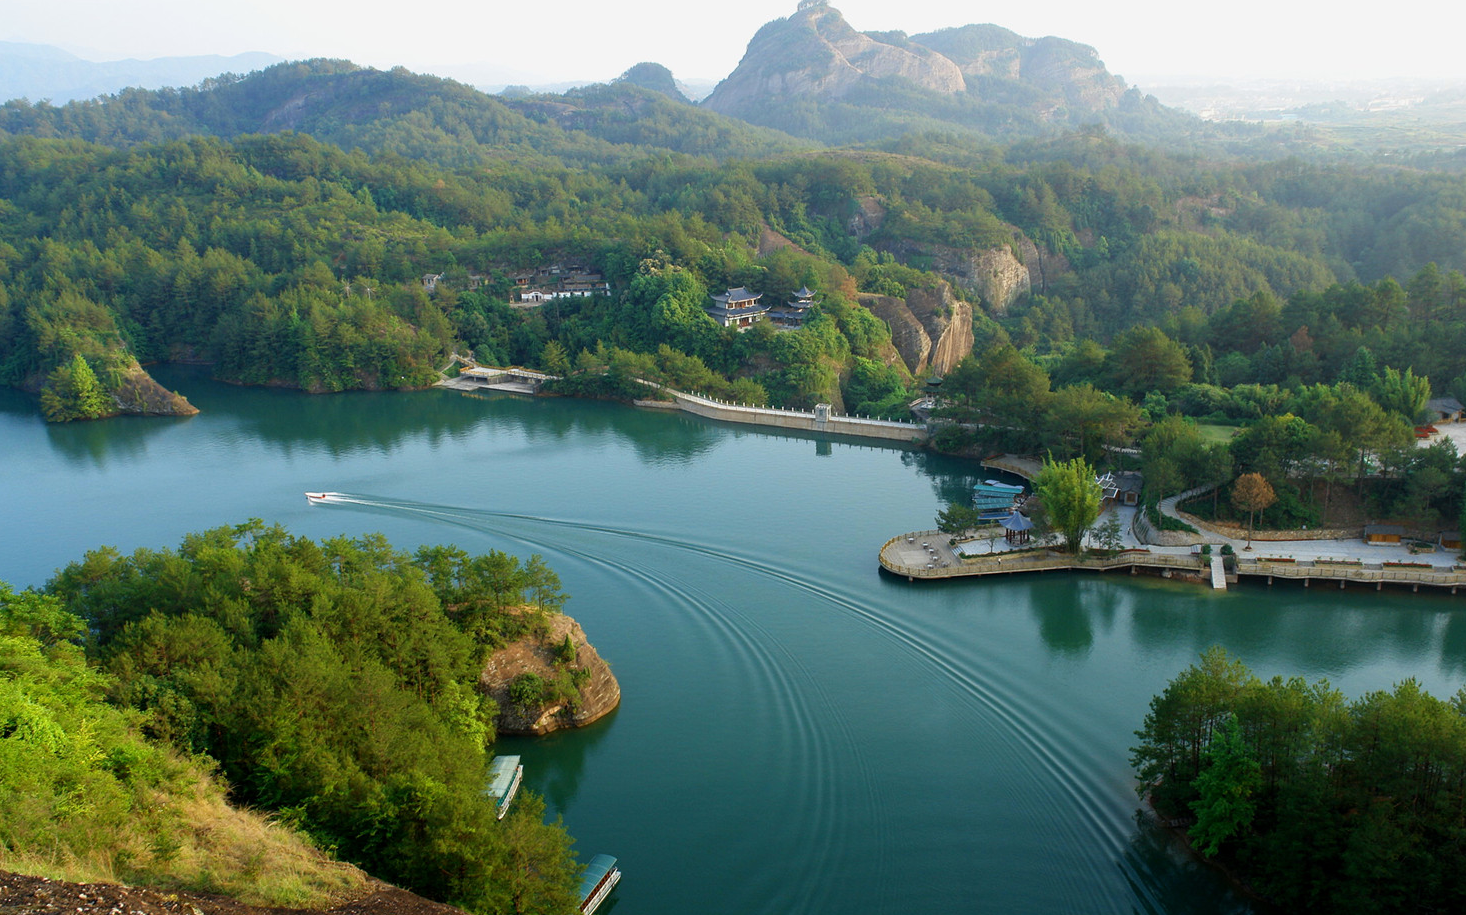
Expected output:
(1016, 527)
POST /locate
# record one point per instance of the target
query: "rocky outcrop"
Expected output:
(1064, 69)
(816, 54)
(599, 693)
(931, 328)
(948, 322)
(140, 395)
(868, 215)
(907, 333)
(999, 277)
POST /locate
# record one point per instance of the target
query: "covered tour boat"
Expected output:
(601, 875)
(505, 776)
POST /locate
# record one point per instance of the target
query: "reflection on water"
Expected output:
(555, 763)
(953, 478)
(1162, 870)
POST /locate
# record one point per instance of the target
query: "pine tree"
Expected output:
(72, 391)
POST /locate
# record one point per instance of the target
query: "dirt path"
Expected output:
(19, 893)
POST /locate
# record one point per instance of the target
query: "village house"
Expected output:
(1444, 409)
(1121, 487)
(558, 281)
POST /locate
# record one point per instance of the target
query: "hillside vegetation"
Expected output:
(86, 796)
(335, 686)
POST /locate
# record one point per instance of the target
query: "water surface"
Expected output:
(799, 732)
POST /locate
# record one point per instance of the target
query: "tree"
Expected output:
(1111, 534)
(1087, 419)
(1402, 393)
(1144, 359)
(1071, 497)
(73, 392)
(1252, 493)
(1229, 778)
(954, 519)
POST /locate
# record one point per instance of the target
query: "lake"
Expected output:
(798, 731)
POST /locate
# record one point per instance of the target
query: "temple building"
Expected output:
(793, 312)
(738, 308)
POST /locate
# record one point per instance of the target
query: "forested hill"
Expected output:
(406, 114)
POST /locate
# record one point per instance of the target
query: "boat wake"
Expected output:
(804, 722)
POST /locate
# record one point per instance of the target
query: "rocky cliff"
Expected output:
(1063, 68)
(599, 693)
(816, 54)
(140, 395)
(931, 328)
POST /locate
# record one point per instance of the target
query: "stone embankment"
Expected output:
(599, 695)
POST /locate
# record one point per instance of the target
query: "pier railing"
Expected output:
(1345, 572)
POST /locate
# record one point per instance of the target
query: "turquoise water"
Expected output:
(799, 732)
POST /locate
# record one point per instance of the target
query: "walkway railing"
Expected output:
(1341, 571)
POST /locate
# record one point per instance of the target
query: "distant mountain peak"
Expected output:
(813, 74)
(655, 77)
(816, 53)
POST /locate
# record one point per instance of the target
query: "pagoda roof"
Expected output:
(1017, 522)
(738, 295)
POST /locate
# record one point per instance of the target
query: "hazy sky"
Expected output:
(562, 40)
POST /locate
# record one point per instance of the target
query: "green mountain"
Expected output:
(401, 113)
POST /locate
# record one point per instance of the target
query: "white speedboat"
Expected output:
(314, 497)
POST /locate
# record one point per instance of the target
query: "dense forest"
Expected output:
(333, 685)
(1320, 803)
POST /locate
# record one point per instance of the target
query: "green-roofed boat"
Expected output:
(504, 777)
(601, 875)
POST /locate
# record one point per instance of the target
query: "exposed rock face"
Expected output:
(907, 335)
(599, 695)
(816, 54)
(869, 214)
(140, 395)
(996, 274)
(948, 321)
(1064, 68)
(999, 277)
(931, 329)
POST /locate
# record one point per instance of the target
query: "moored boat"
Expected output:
(994, 496)
(505, 776)
(600, 876)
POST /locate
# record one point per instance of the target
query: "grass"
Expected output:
(1212, 432)
(183, 835)
(85, 797)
